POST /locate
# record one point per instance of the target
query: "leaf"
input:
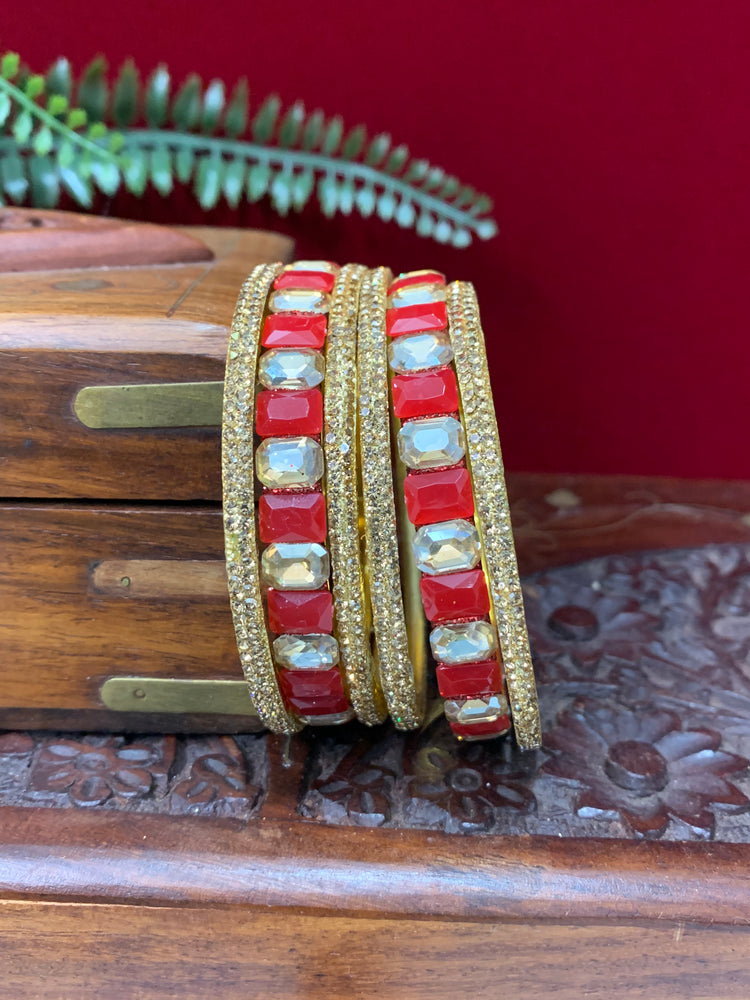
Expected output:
(186, 107)
(466, 196)
(312, 134)
(34, 86)
(135, 171)
(161, 170)
(425, 224)
(213, 105)
(76, 118)
(208, 180)
(22, 127)
(258, 179)
(45, 182)
(125, 95)
(302, 188)
(405, 215)
(443, 231)
(4, 107)
(397, 160)
(416, 171)
(59, 78)
(264, 123)
(378, 149)
(9, 65)
(354, 143)
(78, 188)
(235, 120)
(434, 178)
(43, 141)
(66, 154)
(346, 197)
(106, 176)
(13, 177)
(291, 125)
(365, 199)
(486, 229)
(328, 195)
(93, 92)
(57, 105)
(461, 238)
(482, 204)
(157, 97)
(386, 206)
(332, 138)
(234, 181)
(281, 193)
(184, 162)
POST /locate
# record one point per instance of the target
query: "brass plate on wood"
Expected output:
(166, 404)
(177, 697)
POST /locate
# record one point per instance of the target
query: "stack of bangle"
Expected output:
(380, 493)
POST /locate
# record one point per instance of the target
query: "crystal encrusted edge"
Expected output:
(492, 509)
(240, 534)
(341, 452)
(379, 506)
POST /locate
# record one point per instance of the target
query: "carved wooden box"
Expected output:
(141, 857)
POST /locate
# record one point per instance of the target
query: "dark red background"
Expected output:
(614, 138)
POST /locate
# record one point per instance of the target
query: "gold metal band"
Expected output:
(352, 613)
(399, 631)
(240, 535)
(492, 511)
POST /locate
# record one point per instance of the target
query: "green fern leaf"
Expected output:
(405, 215)
(157, 97)
(208, 181)
(281, 193)
(214, 99)
(354, 143)
(59, 79)
(235, 120)
(135, 171)
(291, 125)
(365, 200)
(57, 105)
(9, 65)
(66, 154)
(303, 184)
(416, 171)
(461, 238)
(184, 162)
(186, 108)
(482, 205)
(13, 178)
(34, 86)
(45, 182)
(449, 187)
(486, 229)
(258, 181)
(346, 197)
(378, 149)
(77, 186)
(22, 127)
(332, 137)
(264, 123)
(312, 134)
(328, 195)
(93, 92)
(76, 118)
(43, 141)
(234, 181)
(125, 95)
(466, 196)
(397, 160)
(5, 107)
(161, 170)
(106, 176)
(433, 178)
(443, 231)
(386, 206)
(425, 224)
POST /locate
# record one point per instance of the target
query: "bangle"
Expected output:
(398, 623)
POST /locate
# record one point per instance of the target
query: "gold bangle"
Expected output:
(492, 510)
(240, 536)
(398, 630)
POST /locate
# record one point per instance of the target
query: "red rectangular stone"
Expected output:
(452, 596)
(439, 495)
(306, 279)
(314, 692)
(292, 517)
(469, 680)
(283, 413)
(294, 330)
(425, 394)
(300, 612)
(421, 278)
(416, 319)
(483, 730)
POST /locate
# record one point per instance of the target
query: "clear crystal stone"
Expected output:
(288, 463)
(470, 710)
(416, 295)
(337, 719)
(416, 352)
(281, 368)
(295, 566)
(310, 300)
(446, 547)
(467, 642)
(313, 265)
(306, 652)
(432, 443)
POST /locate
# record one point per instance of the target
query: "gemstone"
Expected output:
(431, 443)
(286, 463)
(466, 711)
(416, 278)
(295, 565)
(310, 300)
(436, 496)
(415, 295)
(467, 680)
(414, 319)
(464, 642)
(292, 517)
(481, 730)
(279, 413)
(426, 394)
(321, 280)
(314, 692)
(446, 547)
(335, 719)
(420, 351)
(306, 652)
(455, 595)
(313, 265)
(300, 611)
(285, 369)
(294, 330)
